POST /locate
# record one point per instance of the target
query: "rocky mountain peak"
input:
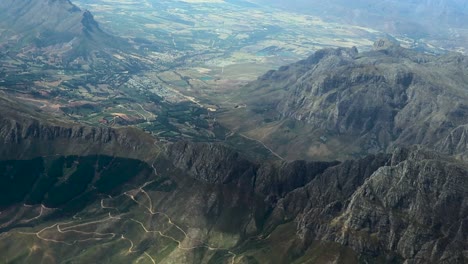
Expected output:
(385, 43)
(88, 22)
(58, 24)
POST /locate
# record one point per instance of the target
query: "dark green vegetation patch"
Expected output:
(63, 180)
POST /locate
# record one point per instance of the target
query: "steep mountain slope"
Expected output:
(345, 212)
(55, 29)
(414, 208)
(76, 193)
(27, 133)
(339, 102)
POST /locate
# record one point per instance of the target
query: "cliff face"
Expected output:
(26, 134)
(217, 164)
(416, 207)
(409, 205)
(211, 163)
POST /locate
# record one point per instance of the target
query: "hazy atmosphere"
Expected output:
(233, 131)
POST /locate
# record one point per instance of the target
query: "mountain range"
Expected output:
(72, 192)
(368, 165)
(420, 22)
(340, 103)
(411, 17)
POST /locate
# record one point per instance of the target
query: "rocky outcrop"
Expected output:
(409, 206)
(456, 142)
(211, 163)
(417, 208)
(327, 194)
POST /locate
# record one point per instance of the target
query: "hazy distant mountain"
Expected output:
(55, 28)
(417, 18)
(452, 11)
